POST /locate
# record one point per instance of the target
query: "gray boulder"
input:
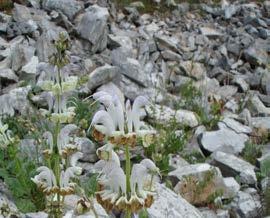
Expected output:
(44, 45)
(169, 204)
(231, 165)
(8, 207)
(210, 32)
(21, 55)
(166, 42)
(193, 69)
(257, 54)
(246, 205)
(88, 148)
(222, 140)
(234, 125)
(8, 74)
(132, 69)
(164, 114)
(68, 7)
(102, 75)
(15, 100)
(261, 122)
(93, 27)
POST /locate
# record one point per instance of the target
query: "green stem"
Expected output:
(128, 190)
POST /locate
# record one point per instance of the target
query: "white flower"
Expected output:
(66, 185)
(114, 186)
(74, 158)
(49, 141)
(140, 175)
(60, 112)
(66, 143)
(111, 122)
(56, 83)
(107, 126)
(105, 166)
(105, 152)
(5, 137)
(45, 180)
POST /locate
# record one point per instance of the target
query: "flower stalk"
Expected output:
(123, 191)
(128, 171)
(55, 180)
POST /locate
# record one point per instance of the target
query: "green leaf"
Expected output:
(25, 205)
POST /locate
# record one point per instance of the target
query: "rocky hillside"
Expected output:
(206, 69)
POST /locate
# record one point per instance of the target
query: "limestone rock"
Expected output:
(222, 140)
(231, 165)
(169, 204)
(102, 75)
(165, 114)
(93, 27)
(68, 7)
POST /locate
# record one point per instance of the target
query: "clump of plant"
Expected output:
(201, 192)
(120, 127)
(194, 157)
(169, 141)
(16, 171)
(191, 99)
(260, 136)
(55, 179)
(266, 201)
(251, 152)
(84, 110)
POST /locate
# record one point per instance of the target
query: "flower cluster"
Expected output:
(46, 179)
(118, 124)
(62, 152)
(58, 84)
(5, 135)
(121, 125)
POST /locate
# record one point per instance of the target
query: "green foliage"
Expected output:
(90, 185)
(266, 201)
(251, 152)
(208, 177)
(16, 172)
(211, 199)
(168, 142)
(194, 157)
(191, 99)
(264, 170)
(143, 214)
(85, 110)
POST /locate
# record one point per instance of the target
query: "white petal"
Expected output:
(105, 119)
(129, 116)
(74, 158)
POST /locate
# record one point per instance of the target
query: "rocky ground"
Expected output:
(221, 50)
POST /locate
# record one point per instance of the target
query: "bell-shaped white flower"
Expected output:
(66, 185)
(56, 82)
(5, 135)
(114, 107)
(105, 166)
(58, 109)
(49, 142)
(111, 122)
(64, 141)
(134, 113)
(105, 152)
(139, 175)
(45, 180)
(74, 158)
(106, 122)
(114, 186)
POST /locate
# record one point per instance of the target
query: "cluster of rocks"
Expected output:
(222, 50)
